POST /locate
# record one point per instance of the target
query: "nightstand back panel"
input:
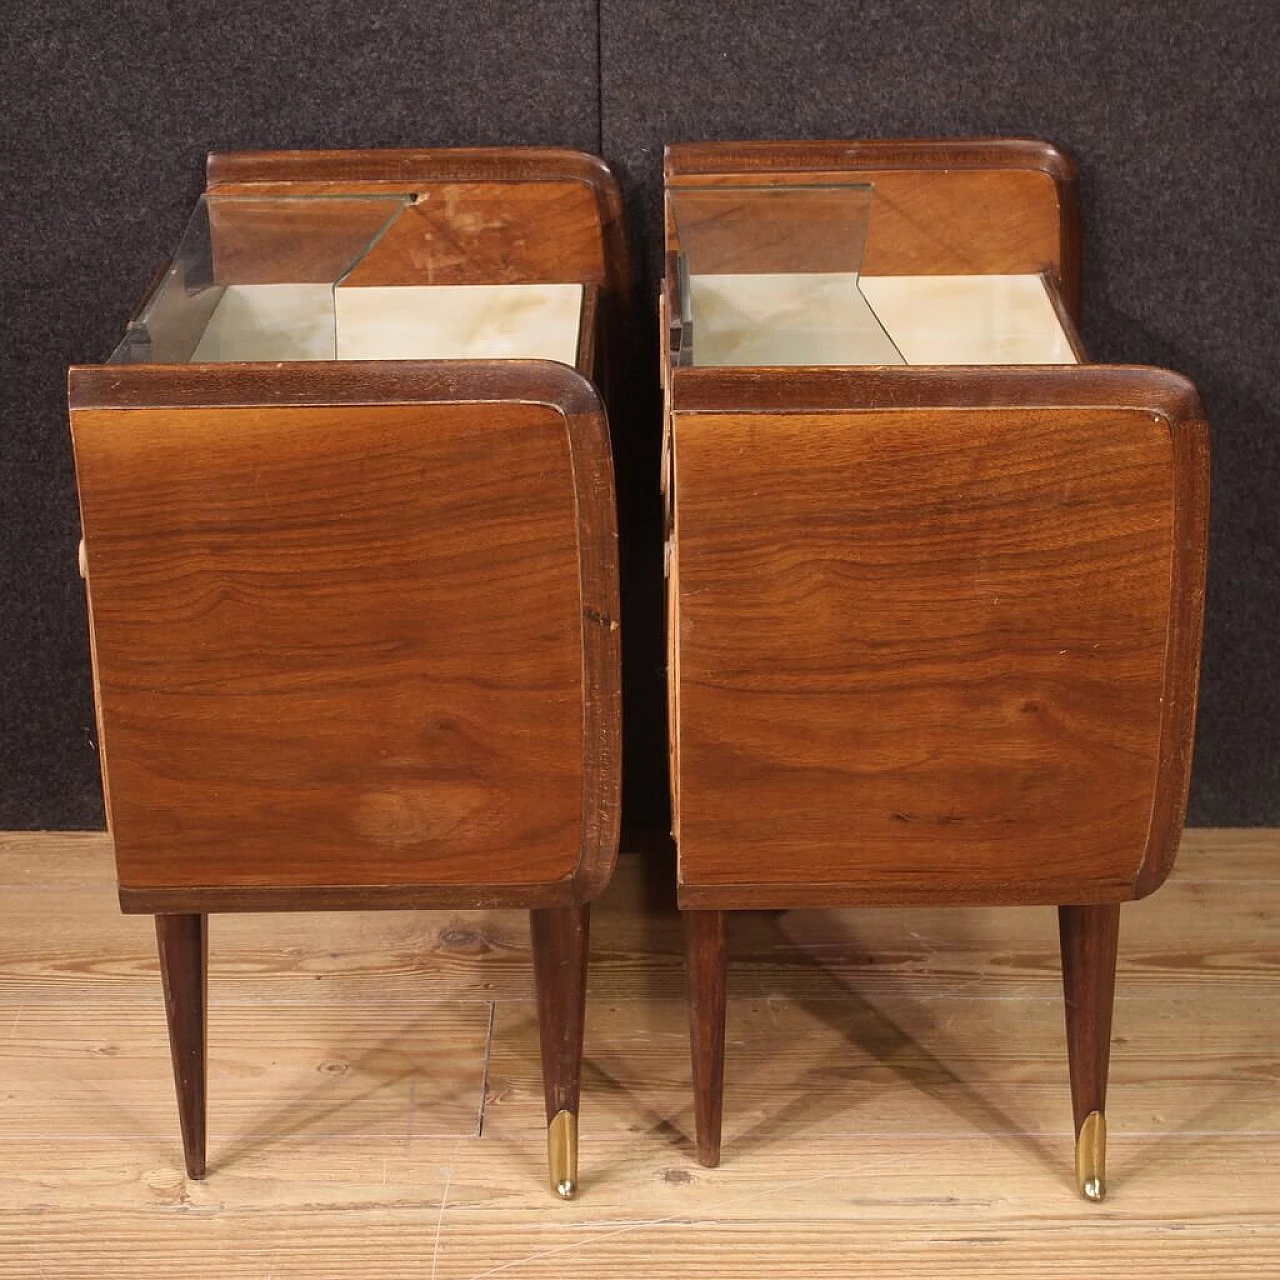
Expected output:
(491, 233)
(451, 233)
(931, 222)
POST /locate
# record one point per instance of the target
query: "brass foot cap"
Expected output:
(562, 1154)
(1091, 1157)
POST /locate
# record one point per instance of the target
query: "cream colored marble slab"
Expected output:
(969, 319)
(269, 322)
(842, 319)
(410, 322)
(813, 318)
(459, 322)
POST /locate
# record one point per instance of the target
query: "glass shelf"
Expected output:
(274, 278)
(771, 276)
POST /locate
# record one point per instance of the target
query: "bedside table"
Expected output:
(351, 556)
(935, 584)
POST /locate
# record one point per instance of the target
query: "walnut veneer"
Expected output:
(355, 624)
(934, 633)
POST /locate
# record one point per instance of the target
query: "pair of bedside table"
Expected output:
(935, 585)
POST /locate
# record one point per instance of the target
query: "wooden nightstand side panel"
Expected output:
(355, 632)
(935, 653)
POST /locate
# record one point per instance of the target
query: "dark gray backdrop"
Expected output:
(1171, 110)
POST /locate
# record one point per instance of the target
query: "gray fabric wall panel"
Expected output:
(109, 112)
(1171, 110)
(1173, 114)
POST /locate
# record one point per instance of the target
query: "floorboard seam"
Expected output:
(484, 1070)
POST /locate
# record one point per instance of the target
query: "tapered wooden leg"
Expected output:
(707, 959)
(560, 943)
(184, 953)
(1088, 937)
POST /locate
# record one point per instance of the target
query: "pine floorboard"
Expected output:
(896, 1096)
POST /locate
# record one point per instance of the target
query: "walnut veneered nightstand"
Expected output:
(350, 549)
(935, 584)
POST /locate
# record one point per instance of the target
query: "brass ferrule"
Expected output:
(562, 1154)
(1091, 1157)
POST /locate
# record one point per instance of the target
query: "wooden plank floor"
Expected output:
(896, 1103)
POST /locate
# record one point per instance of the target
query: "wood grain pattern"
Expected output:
(1157, 391)
(463, 194)
(814, 390)
(339, 648)
(439, 216)
(397, 1242)
(706, 958)
(294, 1070)
(491, 233)
(898, 1091)
(340, 382)
(447, 234)
(1090, 938)
(355, 628)
(922, 653)
(280, 686)
(1188, 575)
(560, 942)
(183, 942)
(933, 635)
(963, 206)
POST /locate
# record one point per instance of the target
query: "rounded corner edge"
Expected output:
(1180, 399)
(560, 386)
(1054, 159)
